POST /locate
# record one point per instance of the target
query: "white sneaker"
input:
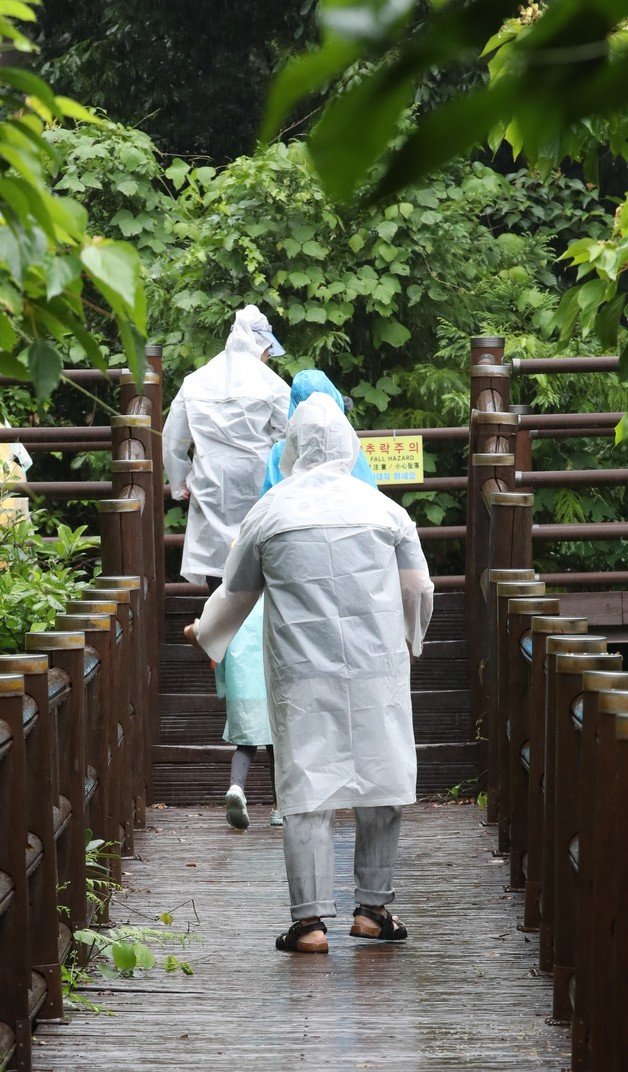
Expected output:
(275, 818)
(237, 815)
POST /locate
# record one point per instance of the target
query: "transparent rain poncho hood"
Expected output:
(305, 384)
(232, 410)
(346, 590)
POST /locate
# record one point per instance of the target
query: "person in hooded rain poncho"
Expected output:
(231, 410)
(347, 590)
(304, 384)
(240, 675)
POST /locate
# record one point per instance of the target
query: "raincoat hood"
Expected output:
(251, 333)
(305, 383)
(319, 434)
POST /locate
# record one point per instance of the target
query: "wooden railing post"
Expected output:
(138, 695)
(15, 963)
(66, 652)
(122, 553)
(42, 798)
(593, 682)
(491, 683)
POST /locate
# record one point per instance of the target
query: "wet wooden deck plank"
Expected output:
(460, 994)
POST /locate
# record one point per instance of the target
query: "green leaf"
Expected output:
(59, 273)
(621, 430)
(314, 249)
(31, 84)
(356, 242)
(8, 337)
(342, 145)
(299, 279)
(315, 314)
(115, 268)
(177, 172)
(186, 968)
(608, 320)
(124, 956)
(144, 957)
(129, 187)
(46, 365)
(10, 253)
(71, 109)
(167, 918)
(15, 9)
(302, 76)
(295, 313)
(134, 348)
(11, 366)
(392, 332)
(170, 963)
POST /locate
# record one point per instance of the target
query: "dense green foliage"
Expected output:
(556, 90)
(37, 578)
(51, 265)
(383, 298)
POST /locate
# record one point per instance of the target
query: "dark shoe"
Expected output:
(291, 941)
(391, 929)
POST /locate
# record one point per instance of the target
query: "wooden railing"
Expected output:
(550, 703)
(78, 716)
(559, 710)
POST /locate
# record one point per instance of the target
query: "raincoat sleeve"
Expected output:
(176, 443)
(230, 605)
(273, 473)
(417, 590)
(279, 414)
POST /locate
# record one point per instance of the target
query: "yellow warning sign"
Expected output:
(395, 459)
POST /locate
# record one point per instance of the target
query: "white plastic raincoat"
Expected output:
(346, 585)
(232, 409)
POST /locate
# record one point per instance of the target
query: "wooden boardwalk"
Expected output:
(462, 993)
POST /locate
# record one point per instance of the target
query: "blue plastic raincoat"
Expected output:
(304, 384)
(240, 679)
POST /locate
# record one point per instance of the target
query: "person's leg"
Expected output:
(270, 751)
(309, 853)
(376, 841)
(237, 814)
(241, 764)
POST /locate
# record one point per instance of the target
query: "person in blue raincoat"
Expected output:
(304, 384)
(240, 681)
(240, 676)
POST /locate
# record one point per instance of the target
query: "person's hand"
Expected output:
(185, 496)
(190, 636)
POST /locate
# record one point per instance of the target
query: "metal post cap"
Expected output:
(569, 644)
(596, 680)
(24, 664)
(57, 640)
(554, 624)
(488, 340)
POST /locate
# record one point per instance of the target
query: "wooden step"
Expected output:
(200, 719)
(197, 775)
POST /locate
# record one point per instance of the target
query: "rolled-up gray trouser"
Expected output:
(309, 851)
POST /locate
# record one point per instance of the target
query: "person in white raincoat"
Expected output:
(347, 590)
(232, 410)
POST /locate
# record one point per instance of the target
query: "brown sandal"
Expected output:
(388, 932)
(290, 942)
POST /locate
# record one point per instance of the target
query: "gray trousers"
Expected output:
(309, 852)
